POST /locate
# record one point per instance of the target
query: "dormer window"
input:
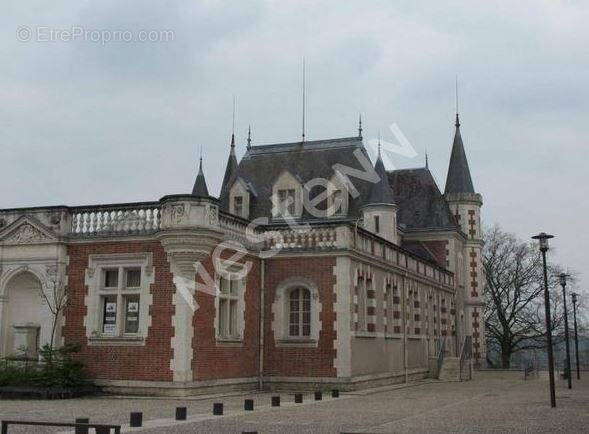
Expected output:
(337, 199)
(338, 202)
(240, 199)
(287, 196)
(287, 202)
(238, 205)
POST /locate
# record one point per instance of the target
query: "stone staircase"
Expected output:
(450, 369)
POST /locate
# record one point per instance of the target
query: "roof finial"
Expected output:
(360, 126)
(457, 124)
(303, 99)
(233, 125)
(249, 137)
(426, 159)
(379, 144)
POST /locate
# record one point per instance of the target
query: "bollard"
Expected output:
(298, 398)
(248, 405)
(318, 396)
(180, 413)
(276, 401)
(136, 419)
(218, 409)
(335, 393)
(82, 429)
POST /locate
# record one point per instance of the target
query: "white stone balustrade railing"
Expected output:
(310, 238)
(132, 219)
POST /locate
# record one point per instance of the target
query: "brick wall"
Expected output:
(297, 361)
(214, 360)
(149, 362)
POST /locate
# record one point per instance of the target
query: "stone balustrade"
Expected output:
(128, 219)
(320, 237)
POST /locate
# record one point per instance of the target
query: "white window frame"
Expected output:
(281, 314)
(300, 322)
(225, 300)
(98, 265)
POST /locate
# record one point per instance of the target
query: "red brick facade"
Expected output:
(149, 362)
(213, 360)
(299, 362)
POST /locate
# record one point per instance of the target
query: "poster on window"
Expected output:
(132, 316)
(110, 317)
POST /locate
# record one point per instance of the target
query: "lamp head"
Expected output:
(543, 238)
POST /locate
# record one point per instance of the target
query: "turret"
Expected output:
(200, 185)
(459, 192)
(466, 204)
(380, 212)
(230, 169)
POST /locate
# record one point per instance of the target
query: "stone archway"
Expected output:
(22, 316)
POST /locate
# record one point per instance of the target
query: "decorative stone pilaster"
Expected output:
(189, 233)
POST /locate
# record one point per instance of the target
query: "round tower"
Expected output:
(380, 212)
(466, 205)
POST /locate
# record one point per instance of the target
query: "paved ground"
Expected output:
(492, 403)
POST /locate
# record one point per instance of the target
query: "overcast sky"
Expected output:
(85, 122)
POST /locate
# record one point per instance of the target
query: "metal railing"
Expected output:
(100, 428)
(465, 357)
(441, 351)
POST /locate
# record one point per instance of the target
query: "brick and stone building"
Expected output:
(313, 266)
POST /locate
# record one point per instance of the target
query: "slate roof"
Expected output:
(262, 165)
(420, 249)
(230, 168)
(381, 191)
(458, 180)
(200, 185)
(421, 204)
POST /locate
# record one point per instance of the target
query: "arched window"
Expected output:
(299, 323)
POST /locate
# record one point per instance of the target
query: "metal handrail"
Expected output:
(466, 355)
(441, 350)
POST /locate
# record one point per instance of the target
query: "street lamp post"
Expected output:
(543, 239)
(563, 283)
(574, 296)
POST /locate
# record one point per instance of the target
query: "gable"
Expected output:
(26, 230)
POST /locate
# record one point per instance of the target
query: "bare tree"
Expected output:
(514, 313)
(55, 294)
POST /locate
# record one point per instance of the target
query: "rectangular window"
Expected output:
(111, 278)
(338, 202)
(361, 291)
(120, 300)
(287, 202)
(376, 224)
(131, 313)
(238, 205)
(230, 290)
(133, 277)
(109, 314)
